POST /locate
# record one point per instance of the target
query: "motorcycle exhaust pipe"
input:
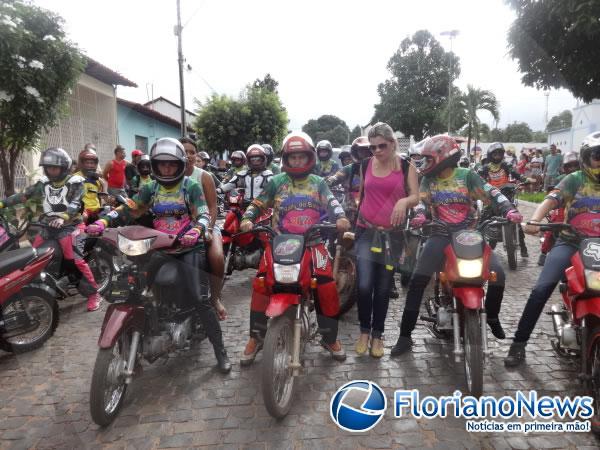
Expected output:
(295, 363)
(456, 327)
(135, 340)
(484, 341)
(557, 320)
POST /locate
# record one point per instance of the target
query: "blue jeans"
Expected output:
(553, 271)
(374, 285)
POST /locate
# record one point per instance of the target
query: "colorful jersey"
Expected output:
(297, 203)
(274, 168)
(174, 208)
(91, 187)
(349, 177)
(326, 168)
(580, 196)
(451, 199)
(140, 180)
(499, 174)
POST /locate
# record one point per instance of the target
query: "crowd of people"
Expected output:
(175, 189)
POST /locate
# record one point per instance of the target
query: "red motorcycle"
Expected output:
(28, 309)
(242, 251)
(457, 307)
(577, 320)
(291, 311)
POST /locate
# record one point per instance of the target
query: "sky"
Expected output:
(328, 55)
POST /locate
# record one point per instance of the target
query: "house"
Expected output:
(170, 109)
(586, 120)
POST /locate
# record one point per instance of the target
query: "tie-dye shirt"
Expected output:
(580, 196)
(326, 168)
(451, 200)
(297, 203)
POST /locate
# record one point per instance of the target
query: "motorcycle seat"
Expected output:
(16, 259)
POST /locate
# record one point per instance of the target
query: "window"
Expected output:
(141, 143)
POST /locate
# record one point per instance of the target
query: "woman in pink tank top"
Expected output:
(389, 189)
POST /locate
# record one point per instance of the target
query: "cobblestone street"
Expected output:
(184, 402)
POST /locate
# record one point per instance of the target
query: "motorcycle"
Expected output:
(413, 240)
(28, 309)
(457, 307)
(577, 320)
(291, 311)
(150, 315)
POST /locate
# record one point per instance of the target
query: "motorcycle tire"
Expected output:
(594, 375)
(277, 380)
(104, 408)
(42, 307)
(510, 245)
(473, 352)
(101, 265)
(349, 294)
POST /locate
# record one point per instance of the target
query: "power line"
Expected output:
(194, 14)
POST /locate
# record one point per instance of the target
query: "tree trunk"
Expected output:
(469, 141)
(8, 158)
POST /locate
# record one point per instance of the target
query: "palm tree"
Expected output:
(475, 100)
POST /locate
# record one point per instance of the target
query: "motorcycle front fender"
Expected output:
(279, 303)
(120, 317)
(471, 297)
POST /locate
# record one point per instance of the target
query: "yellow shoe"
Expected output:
(377, 349)
(362, 345)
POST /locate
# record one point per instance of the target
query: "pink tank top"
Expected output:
(380, 196)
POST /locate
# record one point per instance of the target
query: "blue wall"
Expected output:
(131, 123)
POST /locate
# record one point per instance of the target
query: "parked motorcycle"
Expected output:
(149, 316)
(457, 307)
(577, 320)
(28, 309)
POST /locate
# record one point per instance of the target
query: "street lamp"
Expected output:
(451, 34)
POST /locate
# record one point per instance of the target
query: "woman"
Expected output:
(579, 194)
(388, 189)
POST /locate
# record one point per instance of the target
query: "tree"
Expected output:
(356, 132)
(556, 44)
(517, 132)
(539, 136)
(477, 100)
(38, 67)
(497, 135)
(328, 127)
(560, 121)
(268, 83)
(411, 99)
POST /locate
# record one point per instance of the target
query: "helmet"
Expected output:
(298, 142)
(144, 166)
(56, 157)
(257, 157)
(570, 162)
(269, 152)
(464, 162)
(344, 154)
(168, 149)
(360, 143)
(204, 156)
(440, 152)
(495, 152)
(238, 154)
(415, 155)
(136, 152)
(324, 145)
(87, 154)
(590, 149)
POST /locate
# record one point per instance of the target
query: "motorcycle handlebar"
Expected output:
(555, 227)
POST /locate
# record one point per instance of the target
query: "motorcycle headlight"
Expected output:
(134, 248)
(592, 279)
(470, 268)
(286, 273)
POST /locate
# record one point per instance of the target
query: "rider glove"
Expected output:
(190, 238)
(514, 216)
(96, 228)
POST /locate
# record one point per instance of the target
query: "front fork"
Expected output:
(295, 364)
(458, 350)
(133, 348)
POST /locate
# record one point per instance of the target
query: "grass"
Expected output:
(535, 197)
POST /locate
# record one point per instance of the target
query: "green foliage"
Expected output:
(268, 83)
(356, 132)
(556, 44)
(539, 136)
(257, 116)
(38, 67)
(328, 127)
(412, 98)
(518, 132)
(535, 197)
(470, 103)
(560, 121)
(497, 135)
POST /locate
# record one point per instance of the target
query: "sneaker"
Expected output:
(252, 348)
(223, 363)
(403, 344)
(516, 354)
(335, 350)
(377, 349)
(94, 302)
(524, 252)
(362, 345)
(496, 328)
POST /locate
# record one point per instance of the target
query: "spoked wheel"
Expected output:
(277, 377)
(101, 265)
(346, 284)
(510, 244)
(473, 357)
(594, 368)
(30, 319)
(108, 382)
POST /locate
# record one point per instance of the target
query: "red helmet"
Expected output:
(298, 142)
(87, 154)
(256, 157)
(136, 152)
(361, 142)
(440, 152)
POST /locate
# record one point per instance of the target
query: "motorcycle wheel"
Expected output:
(41, 308)
(108, 387)
(346, 283)
(101, 265)
(594, 368)
(277, 377)
(473, 352)
(510, 244)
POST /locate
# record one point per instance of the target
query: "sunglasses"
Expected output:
(382, 146)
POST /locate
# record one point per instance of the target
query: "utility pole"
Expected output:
(178, 30)
(451, 34)
(547, 95)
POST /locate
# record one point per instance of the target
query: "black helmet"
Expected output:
(464, 161)
(168, 149)
(270, 153)
(344, 154)
(144, 166)
(56, 157)
(324, 145)
(204, 156)
(495, 152)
